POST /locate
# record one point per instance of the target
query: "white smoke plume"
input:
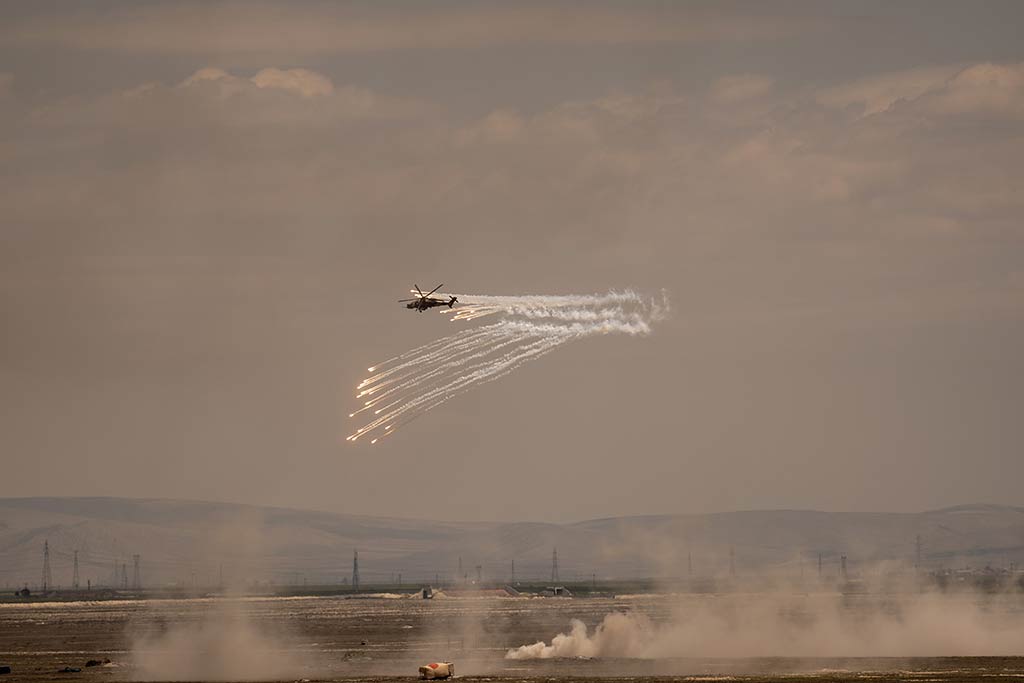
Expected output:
(417, 381)
(799, 626)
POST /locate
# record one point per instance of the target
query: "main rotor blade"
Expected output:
(402, 301)
(419, 290)
(435, 289)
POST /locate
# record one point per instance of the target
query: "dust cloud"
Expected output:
(226, 637)
(799, 626)
(222, 644)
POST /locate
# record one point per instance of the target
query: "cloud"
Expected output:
(332, 102)
(982, 88)
(879, 92)
(500, 125)
(209, 73)
(797, 155)
(274, 29)
(288, 146)
(985, 88)
(730, 89)
(191, 254)
(303, 81)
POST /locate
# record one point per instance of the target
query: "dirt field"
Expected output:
(386, 639)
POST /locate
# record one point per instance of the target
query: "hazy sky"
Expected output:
(208, 211)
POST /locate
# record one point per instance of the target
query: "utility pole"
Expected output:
(554, 565)
(460, 575)
(47, 576)
(355, 570)
(74, 577)
(842, 566)
(124, 575)
(136, 577)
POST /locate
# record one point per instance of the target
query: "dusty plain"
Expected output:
(387, 638)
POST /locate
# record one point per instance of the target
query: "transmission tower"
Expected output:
(124, 576)
(554, 565)
(74, 577)
(136, 579)
(47, 576)
(355, 570)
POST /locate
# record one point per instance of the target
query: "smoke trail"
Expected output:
(413, 383)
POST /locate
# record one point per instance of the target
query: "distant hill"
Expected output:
(179, 539)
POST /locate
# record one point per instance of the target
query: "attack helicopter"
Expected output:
(425, 301)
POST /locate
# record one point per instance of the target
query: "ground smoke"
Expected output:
(758, 626)
(223, 646)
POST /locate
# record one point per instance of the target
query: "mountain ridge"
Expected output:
(186, 540)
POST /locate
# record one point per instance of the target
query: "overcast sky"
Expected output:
(208, 211)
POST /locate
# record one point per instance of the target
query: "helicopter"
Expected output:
(425, 301)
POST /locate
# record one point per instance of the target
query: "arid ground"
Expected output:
(387, 638)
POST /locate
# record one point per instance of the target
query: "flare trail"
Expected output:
(526, 327)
